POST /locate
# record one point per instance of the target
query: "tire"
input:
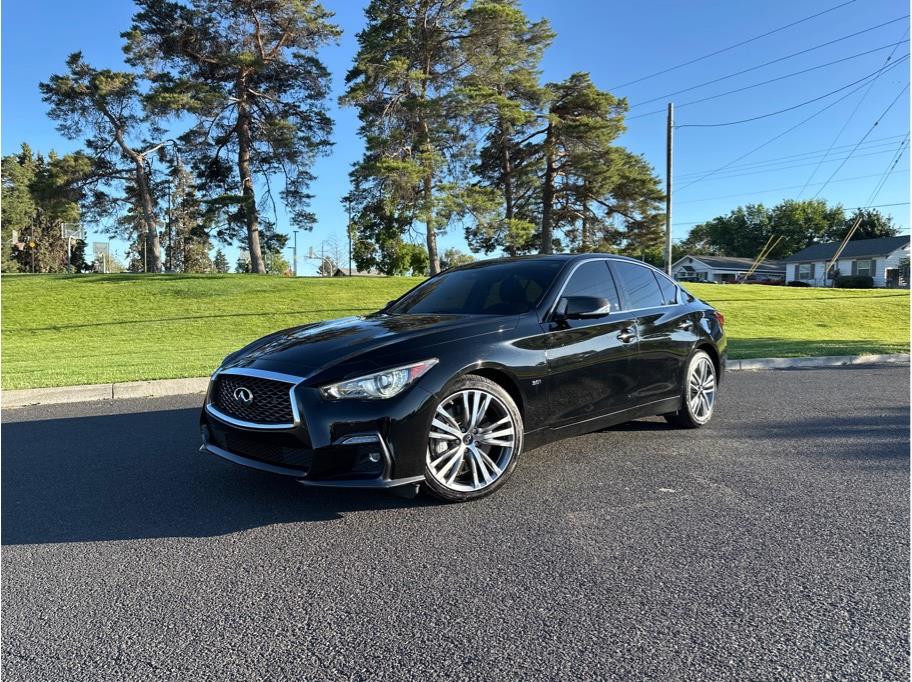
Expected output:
(485, 421)
(698, 395)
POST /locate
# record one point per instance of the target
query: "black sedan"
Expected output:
(449, 384)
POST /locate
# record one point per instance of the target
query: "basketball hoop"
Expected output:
(72, 231)
(69, 232)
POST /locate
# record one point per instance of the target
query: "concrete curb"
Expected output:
(166, 387)
(92, 392)
(822, 361)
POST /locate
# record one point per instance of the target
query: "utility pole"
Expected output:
(295, 253)
(349, 204)
(669, 143)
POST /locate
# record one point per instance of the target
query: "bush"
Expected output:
(855, 282)
(798, 283)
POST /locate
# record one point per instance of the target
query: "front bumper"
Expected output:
(345, 443)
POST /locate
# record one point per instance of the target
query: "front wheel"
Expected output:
(474, 440)
(699, 394)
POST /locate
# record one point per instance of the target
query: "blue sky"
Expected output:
(617, 42)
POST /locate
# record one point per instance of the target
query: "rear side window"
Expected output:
(669, 289)
(640, 286)
(593, 278)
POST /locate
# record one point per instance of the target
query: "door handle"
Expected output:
(627, 334)
(686, 325)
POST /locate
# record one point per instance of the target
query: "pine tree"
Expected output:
(18, 207)
(249, 71)
(220, 262)
(503, 95)
(40, 195)
(108, 107)
(593, 194)
(187, 235)
(403, 82)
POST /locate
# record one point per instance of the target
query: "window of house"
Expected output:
(806, 271)
(864, 268)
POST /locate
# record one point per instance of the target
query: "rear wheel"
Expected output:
(699, 395)
(474, 440)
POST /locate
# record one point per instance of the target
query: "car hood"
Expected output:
(312, 348)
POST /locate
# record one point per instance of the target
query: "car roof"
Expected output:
(562, 257)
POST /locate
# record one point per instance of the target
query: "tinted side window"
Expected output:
(639, 284)
(669, 289)
(593, 279)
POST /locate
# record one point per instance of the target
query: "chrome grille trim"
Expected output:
(289, 379)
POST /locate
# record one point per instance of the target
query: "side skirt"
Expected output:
(541, 437)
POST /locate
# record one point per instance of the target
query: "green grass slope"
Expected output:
(765, 322)
(62, 330)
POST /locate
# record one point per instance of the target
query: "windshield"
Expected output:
(508, 288)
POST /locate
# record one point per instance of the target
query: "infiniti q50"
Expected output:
(447, 386)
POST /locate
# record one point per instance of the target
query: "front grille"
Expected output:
(261, 449)
(271, 400)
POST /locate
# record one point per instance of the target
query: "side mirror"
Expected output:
(580, 307)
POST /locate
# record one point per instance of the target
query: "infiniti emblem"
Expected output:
(243, 396)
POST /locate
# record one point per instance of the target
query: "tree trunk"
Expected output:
(433, 258)
(151, 243)
(548, 193)
(152, 259)
(506, 167)
(584, 233)
(251, 216)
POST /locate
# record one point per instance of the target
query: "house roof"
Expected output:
(740, 264)
(857, 248)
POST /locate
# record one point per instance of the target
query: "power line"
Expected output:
(772, 139)
(760, 66)
(805, 156)
(890, 168)
(848, 120)
(732, 47)
(863, 138)
(778, 168)
(776, 189)
(873, 74)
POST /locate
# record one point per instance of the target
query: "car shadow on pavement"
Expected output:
(140, 475)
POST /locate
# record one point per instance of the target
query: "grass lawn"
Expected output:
(782, 322)
(61, 330)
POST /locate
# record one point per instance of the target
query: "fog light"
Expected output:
(373, 457)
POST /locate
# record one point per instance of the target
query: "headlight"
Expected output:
(383, 384)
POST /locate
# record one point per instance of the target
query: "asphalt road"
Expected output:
(772, 544)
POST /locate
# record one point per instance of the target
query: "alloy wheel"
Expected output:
(471, 441)
(701, 389)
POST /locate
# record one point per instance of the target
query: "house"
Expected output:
(724, 269)
(879, 258)
(345, 272)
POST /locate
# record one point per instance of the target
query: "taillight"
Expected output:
(720, 317)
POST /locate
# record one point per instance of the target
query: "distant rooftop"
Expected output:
(857, 248)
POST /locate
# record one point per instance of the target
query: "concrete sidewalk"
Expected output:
(167, 387)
